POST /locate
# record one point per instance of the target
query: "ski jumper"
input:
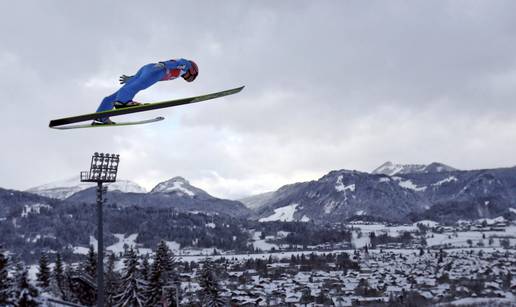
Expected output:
(146, 76)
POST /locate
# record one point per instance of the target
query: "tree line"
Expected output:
(143, 281)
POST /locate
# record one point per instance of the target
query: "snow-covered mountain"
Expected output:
(341, 195)
(256, 201)
(391, 169)
(65, 188)
(126, 186)
(31, 224)
(178, 185)
(433, 191)
(176, 193)
(436, 190)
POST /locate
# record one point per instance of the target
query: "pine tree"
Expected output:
(156, 283)
(132, 288)
(43, 275)
(165, 258)
(78, 291)
(58, 279)
(372, 239)
(90, 266)
(26, 294)
(507, 280)
(68, 285)
(161, 274)
(14, 292)
(5, 281)
(362, 288)
(210, 293)
(145, 268)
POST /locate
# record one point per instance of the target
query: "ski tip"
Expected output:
(119, 124)
(236, 90)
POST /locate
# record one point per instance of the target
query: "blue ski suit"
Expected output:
(146, 76)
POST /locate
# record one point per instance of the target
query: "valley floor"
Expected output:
(456, 276)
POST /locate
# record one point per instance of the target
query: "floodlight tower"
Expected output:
(104, 168)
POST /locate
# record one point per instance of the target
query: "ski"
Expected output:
(129, 123)
(142, 108)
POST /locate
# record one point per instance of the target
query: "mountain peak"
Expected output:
(178, 179)
(436, 167)
(391, 169)
(178, 185)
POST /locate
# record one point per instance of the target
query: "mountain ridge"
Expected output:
(345, 195)
(65, 188)
(391, 169)
(342, 195)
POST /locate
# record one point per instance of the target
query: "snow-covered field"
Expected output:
(261, 243)
(360, 238)
(285, 214)
(460, 239)
(123, 241)
(359, 241)
(288, 255)
(486, 301)
(407, 184)
(126, 242)
(449, 238)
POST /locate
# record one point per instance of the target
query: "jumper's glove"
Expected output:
(124, 78)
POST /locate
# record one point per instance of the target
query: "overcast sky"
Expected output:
(329, 85)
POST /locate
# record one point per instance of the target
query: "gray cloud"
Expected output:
(330, 84)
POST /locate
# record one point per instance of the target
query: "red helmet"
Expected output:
(191, 73)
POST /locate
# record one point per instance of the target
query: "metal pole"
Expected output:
(100, 248)
(103, 169)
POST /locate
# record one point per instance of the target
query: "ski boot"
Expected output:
(122, 105)
(102, 121)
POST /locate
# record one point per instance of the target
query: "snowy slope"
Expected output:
(284, 214)
(430, 192)
(178, 186)
(342, 195)
(391, 169)
(174, 193)
(256, 201)
(65, 188)
(126, 186)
